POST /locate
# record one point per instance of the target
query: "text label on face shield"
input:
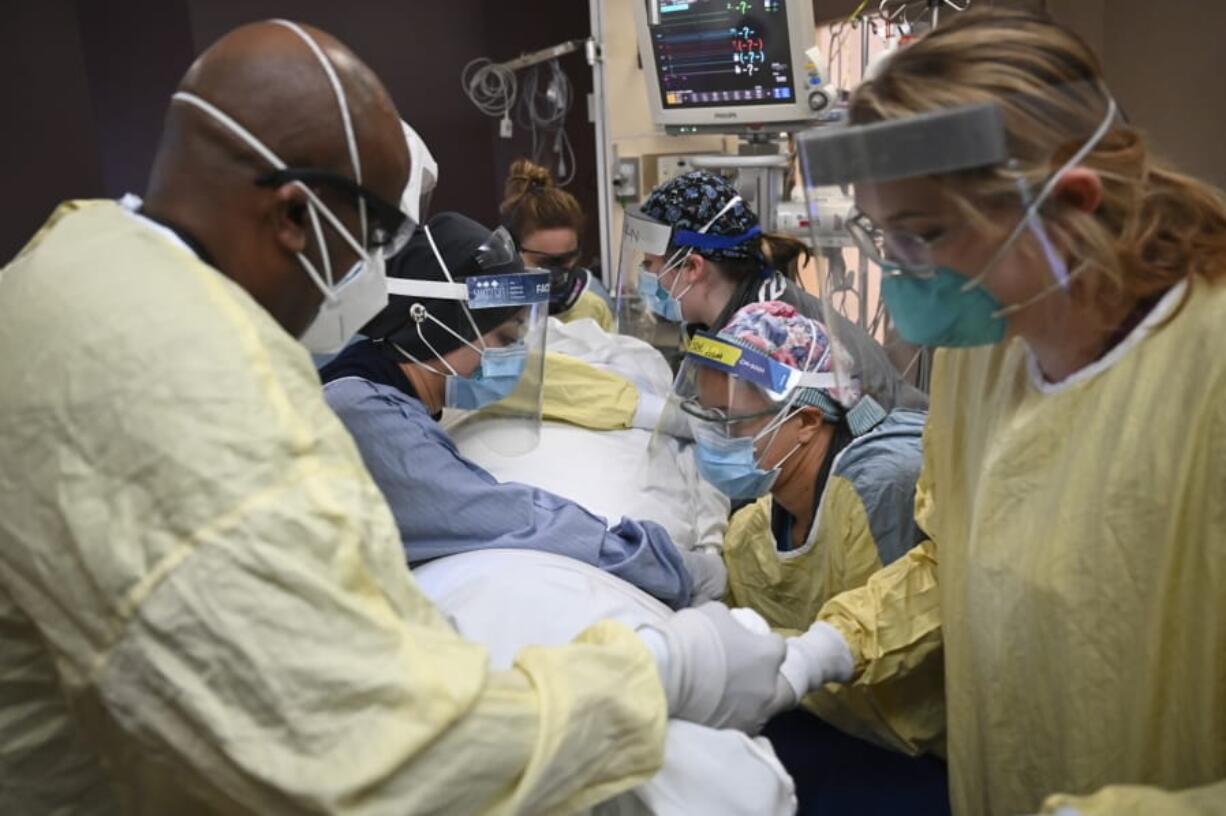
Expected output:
(750, 366)
(493, 291)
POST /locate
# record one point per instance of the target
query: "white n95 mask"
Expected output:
(359, 296)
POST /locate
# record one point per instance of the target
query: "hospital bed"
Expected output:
(508, 599)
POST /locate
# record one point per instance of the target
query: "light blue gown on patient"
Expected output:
(444, 504)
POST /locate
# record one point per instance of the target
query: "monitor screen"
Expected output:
(722, 53)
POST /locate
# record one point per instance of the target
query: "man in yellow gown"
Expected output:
(204, 603)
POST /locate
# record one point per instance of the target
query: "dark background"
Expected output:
(86, 84)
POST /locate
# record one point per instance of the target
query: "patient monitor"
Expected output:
(730, 66)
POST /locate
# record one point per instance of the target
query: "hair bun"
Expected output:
(529, 174)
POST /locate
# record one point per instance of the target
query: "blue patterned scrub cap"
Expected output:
(687, 203)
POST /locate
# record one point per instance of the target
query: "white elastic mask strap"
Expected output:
(449, 330)
(335, 222)
(775, 425)
(732, 202)
(272, 158)
(783, 416)
(343, 103)
(786, 456)
(231, 125)
(809, 357)
(676, 280)
(426, 366)
(324, 282)
(1078, 157)
(438, 256)
(678, 257)
(1032, 208)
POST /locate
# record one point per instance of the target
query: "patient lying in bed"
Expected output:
(507, 599)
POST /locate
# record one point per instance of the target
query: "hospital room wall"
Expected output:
(1164, 62)
(419, 49)
(87, 84)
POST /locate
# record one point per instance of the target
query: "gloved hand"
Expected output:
(708, 573)
(715, 671)
(817, 657)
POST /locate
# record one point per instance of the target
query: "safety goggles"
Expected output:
(938, 143)
(388, 227)
(546, 260)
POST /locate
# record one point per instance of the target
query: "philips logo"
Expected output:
(727, 115)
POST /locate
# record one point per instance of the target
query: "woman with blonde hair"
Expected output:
(1072, 579)
(547, 222)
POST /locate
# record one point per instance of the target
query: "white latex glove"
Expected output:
(708, 573)
(715, 671)
(817, 657)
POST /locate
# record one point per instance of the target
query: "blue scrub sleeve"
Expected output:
(444, 504)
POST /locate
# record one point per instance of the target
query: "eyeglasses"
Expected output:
(389, 227)
(897, 252)
(719, 416)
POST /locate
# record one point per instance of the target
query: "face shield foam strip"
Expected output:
(777, 380)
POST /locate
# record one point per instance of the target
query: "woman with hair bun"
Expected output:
(546, 223)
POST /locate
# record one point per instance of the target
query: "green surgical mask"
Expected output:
(941, 311)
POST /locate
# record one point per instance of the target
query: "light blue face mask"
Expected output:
(496, 378)
(731, 466)
(659, 300)
(731, 463)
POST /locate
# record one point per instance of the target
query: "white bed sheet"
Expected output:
(508, 599)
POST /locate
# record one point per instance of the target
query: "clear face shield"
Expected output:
(504, 394)
(733, 401)
(644, 242)
(650, 283)
(948, 229)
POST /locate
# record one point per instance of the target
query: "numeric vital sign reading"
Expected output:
(722, 52)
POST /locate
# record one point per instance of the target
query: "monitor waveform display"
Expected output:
(722, 52)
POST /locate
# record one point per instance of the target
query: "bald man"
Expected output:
(204, 604)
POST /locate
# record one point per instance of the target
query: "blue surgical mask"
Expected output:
(941, 311)
(731, 463)
(658, 299)
(497, 377)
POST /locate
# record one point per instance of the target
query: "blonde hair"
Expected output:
(533, 202)
(1154, 226)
